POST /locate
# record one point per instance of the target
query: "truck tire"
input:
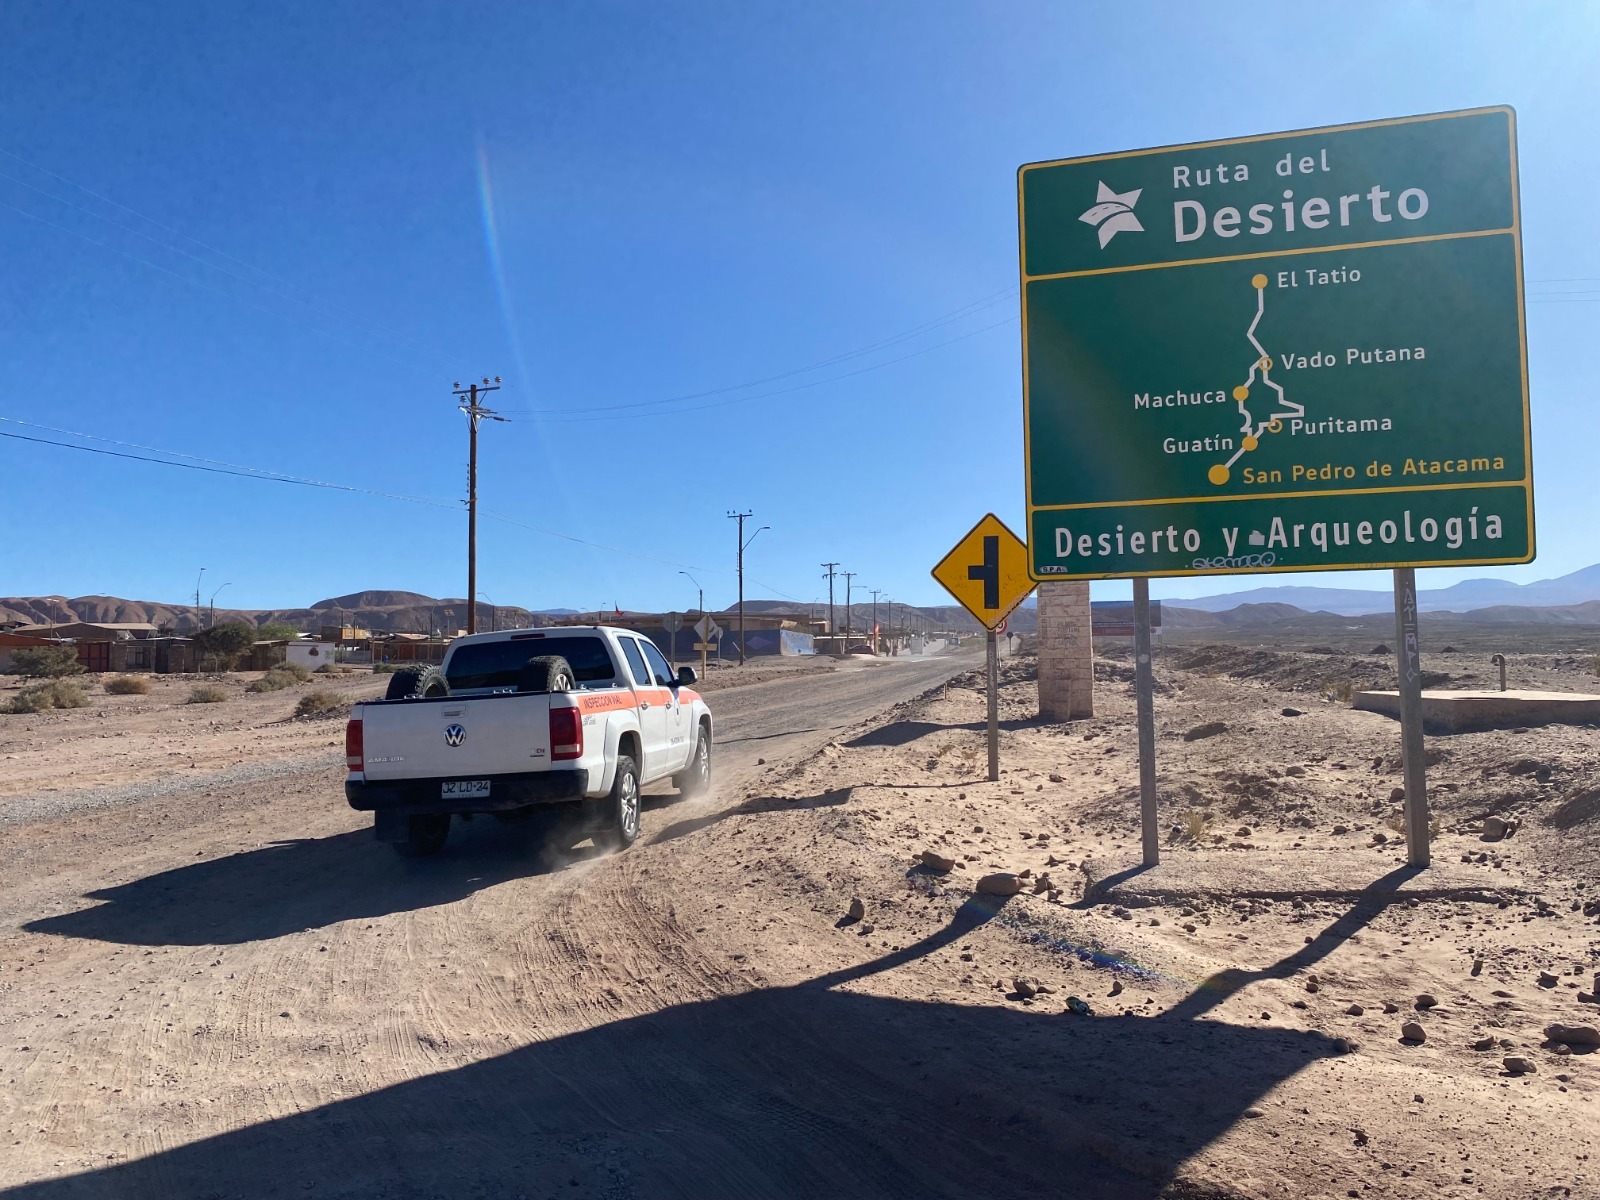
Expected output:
(425, 835)
(618, 815)
(546, 673)
(695, 779)
(424, 681)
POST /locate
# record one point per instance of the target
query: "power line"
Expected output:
(247, 473)
(216, 467)
(579, 420)
(964, 311)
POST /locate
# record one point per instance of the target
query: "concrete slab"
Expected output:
(1458, 712)
(1352, 877)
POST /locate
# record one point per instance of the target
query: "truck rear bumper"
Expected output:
(419, 796)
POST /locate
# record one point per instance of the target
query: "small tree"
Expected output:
(45, 662)
(277, 633)
(223, 644)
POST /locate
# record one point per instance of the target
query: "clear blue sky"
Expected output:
(259, 235)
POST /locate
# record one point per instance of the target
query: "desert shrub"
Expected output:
(207, 693)
(389, 668)
(221, 646)
(294, 671)
(276, 632)
(58, 693)
(327, 669)
(128, 685)
(45, 662)
(315, 703)
(1194, 823)
(1342, 690)
(272, 681)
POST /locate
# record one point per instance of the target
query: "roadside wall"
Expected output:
(1066, 655)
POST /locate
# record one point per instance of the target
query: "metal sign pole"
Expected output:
(994, 707)
(1408, 660)
(1144, 687)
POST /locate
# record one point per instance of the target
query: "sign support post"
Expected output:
(994, 706)
(1408, 661)
(1144, 690)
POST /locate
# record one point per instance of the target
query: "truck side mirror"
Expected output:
(686, 677)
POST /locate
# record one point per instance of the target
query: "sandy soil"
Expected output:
(150, 736)
(240, 994)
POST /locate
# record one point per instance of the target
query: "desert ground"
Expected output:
(214, 983)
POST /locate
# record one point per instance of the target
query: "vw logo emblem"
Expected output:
(454, 735)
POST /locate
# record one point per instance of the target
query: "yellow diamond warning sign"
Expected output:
(987, 571)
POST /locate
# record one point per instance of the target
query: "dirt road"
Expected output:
(226, 989)
(217, 984)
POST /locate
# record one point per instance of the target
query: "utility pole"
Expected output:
(740, 517)
(197, 580)
(833, 630)
(475, 412)
(876, 592)
(848, 576)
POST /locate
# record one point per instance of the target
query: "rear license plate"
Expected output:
(458, 789)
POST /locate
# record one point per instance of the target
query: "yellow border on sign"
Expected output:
(961, 541)
(1515, 232)
(1196, 262)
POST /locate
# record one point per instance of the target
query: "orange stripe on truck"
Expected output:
(609, 702)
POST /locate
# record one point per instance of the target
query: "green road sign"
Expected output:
(1296, 352)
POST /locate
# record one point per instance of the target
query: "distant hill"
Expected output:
(385, 611)
(393, 611)
(1580, 587)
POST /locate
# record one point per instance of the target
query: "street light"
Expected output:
(214, 603)
(197, 580)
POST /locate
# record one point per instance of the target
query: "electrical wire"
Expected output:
(237, 470)
(247, 473)
(582, 420)
(965, 310)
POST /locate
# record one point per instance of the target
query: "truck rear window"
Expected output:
(499, 664)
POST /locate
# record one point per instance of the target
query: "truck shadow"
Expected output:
(309, 883)
(810, 1090)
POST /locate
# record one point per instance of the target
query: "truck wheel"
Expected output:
(695, 779)
(619, 812)
(426, 681)
(546, 673)
(425, 835)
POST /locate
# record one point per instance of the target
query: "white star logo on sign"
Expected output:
(1113, 213)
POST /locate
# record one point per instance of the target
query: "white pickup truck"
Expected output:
(584, 716)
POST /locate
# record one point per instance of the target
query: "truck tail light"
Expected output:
(355, 753)
(566, 733)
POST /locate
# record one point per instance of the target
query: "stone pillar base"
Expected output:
(1066, 655)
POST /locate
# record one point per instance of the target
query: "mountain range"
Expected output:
(1572, 599)
(1580, 587)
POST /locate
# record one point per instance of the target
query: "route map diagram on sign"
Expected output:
(1372, 411)
(1273, 423)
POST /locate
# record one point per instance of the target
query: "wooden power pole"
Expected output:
(475, 412)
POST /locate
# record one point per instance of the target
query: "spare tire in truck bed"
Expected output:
(546, 673)
(424, 681)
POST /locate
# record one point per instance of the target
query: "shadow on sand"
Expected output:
(286, 887)
(813, 1090)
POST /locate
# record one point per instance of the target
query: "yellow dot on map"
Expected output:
(1258, 281)
(1218, 474)
(1241, 392)
(1250, 443)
